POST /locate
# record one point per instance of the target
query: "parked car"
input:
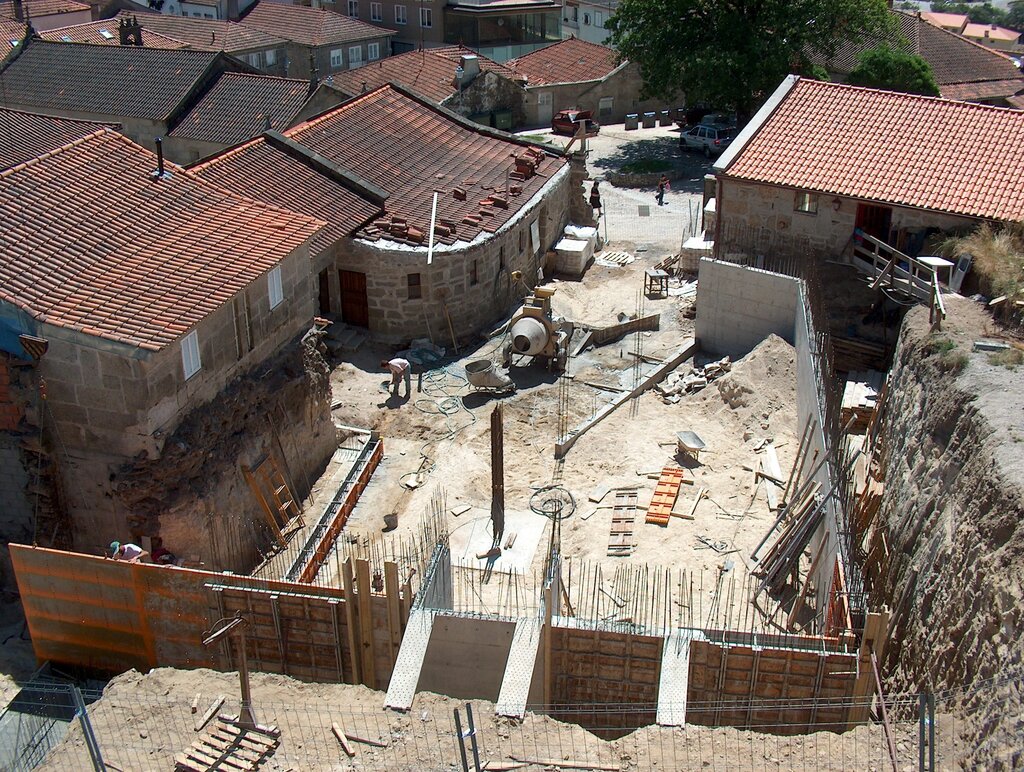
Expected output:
(567, 122)
(711, 140)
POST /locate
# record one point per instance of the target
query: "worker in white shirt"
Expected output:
(132, 553)
(400, 368)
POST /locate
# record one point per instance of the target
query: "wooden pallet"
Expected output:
(665, 492)
(225, 746)
(620, 539)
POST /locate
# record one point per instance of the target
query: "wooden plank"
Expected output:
(343, 740)
(210, 712)
(394, 609)
(350, 622)
(364, 598)
(275, 529)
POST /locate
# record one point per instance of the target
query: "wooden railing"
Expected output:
(899, 271)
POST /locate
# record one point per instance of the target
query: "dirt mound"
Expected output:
(759, 385)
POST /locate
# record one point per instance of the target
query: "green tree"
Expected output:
(891, 68)
(733, 53)
(979, 13)
(1015, 16)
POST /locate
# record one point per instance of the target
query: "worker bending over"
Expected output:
(400, 368)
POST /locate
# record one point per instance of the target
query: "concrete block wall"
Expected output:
(737, 307)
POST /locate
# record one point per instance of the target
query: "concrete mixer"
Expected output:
(534, 332)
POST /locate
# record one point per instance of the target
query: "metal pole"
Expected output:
(472, 737)
(931, 733)
(246, 717)
(90, 738)
(462, 744)
(922, 703)
(497, 475)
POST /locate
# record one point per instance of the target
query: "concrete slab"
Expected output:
(406, 675)
(522, 660)
(674, 679)
(472, 537)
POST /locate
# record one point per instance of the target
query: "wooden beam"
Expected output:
(365, 600)
(275, 529)
(350, 620)
(394, 609)
(802, 595)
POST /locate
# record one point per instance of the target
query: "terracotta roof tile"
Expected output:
(11, 34)
(983, 90)
(38, 8)
(924, 152)
(410, 148)
(990, 32)
(92, 243)
(112, 80)
(208, 34)
(308, 26)
(429, 72)
(267, 173)
(93, 32)
(237, 107)
(24, 136)
(568, 61)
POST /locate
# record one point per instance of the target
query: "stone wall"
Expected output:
(474, 282)
(298, 55)
(746, 210)
(489, 93)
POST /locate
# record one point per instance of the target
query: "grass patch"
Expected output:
(947, 358)
(998, 253)
(1010, 358)
(646, 166)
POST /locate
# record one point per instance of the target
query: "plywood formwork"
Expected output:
(111, 615)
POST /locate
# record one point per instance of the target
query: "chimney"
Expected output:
(314, 76)
(19, 11)
(232, 10)
(129, 32)
(160, 173)
(266, 122)
(470, 65)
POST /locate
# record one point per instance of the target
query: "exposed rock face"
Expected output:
(953, 514)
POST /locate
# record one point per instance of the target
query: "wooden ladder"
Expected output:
(279, 506)
(620, 540)
(665, 492)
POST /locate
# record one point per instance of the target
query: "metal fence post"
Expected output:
(922, 704)
(472, 737)
(931, 733)
(462, 741)
(90, 738)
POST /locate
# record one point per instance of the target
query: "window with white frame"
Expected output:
(270, 56)
(190, 360)
(376, 12)
(400, 17)
(274, 288)
(426, 17)
(806, 203)
(337, 58)
(598, 18)
(353, 8)
(373, 51)
(355, 57)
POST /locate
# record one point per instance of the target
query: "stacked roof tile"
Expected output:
(930, 153)
(92, 242)
(239, 106)
(114, 80)
(429, 72)
(35, 9)
(208, 34)
(104, 32)
(568, 61)
(308, 26)
(23, 136)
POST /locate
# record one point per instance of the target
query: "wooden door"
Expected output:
(325, 291)
(874, 220)
(354, 307)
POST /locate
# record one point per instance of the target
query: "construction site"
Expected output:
(665, 516)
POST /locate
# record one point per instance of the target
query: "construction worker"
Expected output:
(131, 553)
(595, 198)
(400, 368)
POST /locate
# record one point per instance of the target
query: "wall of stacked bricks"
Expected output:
(748, 207)
(623, 87)
(396, 318)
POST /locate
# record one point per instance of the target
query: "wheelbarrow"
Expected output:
(690, 443)
(484, 376)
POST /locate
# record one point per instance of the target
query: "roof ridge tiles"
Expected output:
(58, 150)
(906, 96)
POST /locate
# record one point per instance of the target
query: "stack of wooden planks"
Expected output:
(224, 745)
(620, 539)
(860, 398)
(665, 492)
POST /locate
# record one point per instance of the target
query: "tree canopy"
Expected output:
(891, 68)
(733, 53)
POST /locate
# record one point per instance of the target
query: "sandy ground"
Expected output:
(143, 721)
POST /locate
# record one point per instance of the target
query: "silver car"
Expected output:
(711, 140)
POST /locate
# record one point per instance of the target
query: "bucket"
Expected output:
(391, 521)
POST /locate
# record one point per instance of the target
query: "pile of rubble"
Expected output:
(676, 384)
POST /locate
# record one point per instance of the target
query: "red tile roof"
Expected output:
(956, 157)
(10, 31)
(568, 61)
(36, 9)
(207, 34)
(92, 243)
(24, 136)
(268, 172)
(238, 107)
(429, 72)
(309, 26)
(410, 148)
(983, 90)
(93, 33)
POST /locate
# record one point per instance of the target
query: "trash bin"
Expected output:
(632, 122)
(665, 118)
(649, 120)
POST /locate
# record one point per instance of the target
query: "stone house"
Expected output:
(46, 14)
(160, 317)
(575, 74)
(328, 40)
(456, 77)
(585, 19)
(820, 160)
(373, 269)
